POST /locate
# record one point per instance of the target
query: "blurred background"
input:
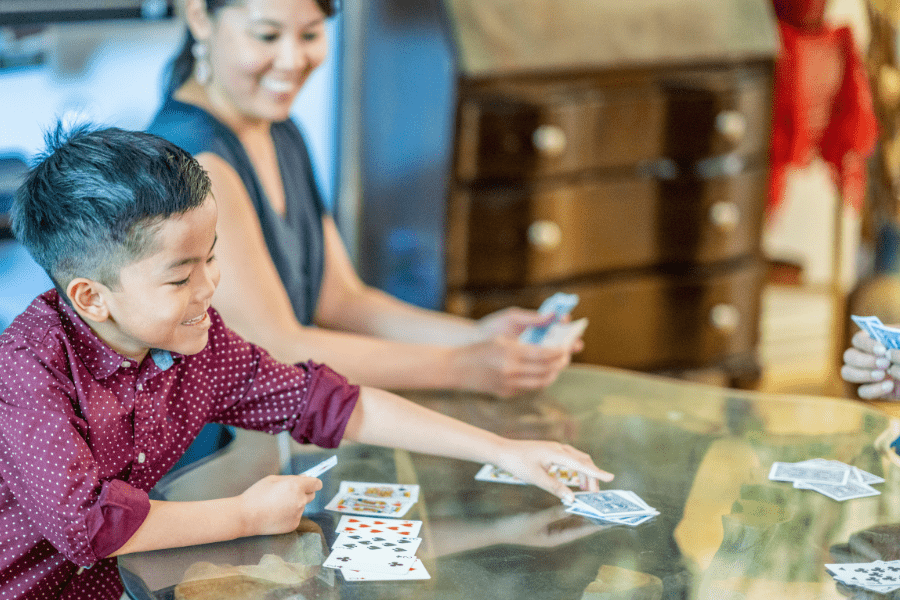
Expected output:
(477, 154)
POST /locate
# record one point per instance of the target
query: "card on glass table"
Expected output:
(610, 503)
(382, 491)
(399, 544)
(416, 571)
(370, 560)
(358, 504)
(407, 527)
(809, 472)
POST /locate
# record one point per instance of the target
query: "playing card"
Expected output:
(370, 560)
(564, 334)
(492, 473)
(382, 491)
(809, 473)
(416, 571)
(399, 544)
(889, 336)
(358, 504)
(868, 324)
(569, 477)
(847, 491)
(321, 467)
(559, 305)
(406, 527)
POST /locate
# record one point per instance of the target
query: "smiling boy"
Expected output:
(107, 379)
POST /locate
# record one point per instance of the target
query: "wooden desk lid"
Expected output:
(504, 36)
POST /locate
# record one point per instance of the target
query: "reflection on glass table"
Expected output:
(700, 455)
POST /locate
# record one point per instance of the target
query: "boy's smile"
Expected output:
(162, 299)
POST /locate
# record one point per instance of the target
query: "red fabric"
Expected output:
(822, 105)
(802, 14)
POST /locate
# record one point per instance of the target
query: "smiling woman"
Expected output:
(284, 266)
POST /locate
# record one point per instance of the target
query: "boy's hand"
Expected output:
(275, 504)
(530, 461)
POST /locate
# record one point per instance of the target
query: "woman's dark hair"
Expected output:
(182, 65)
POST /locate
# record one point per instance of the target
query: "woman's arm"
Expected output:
(253, 302)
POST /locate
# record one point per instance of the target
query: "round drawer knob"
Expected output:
(725, 215)
(549, 140)
(731, 125)
(544, 235)
(725, 317)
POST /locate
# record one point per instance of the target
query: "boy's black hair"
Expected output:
(95, 197)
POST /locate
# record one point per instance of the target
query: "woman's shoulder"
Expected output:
(187, 126)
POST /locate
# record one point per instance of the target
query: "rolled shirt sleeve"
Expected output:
(310, 400)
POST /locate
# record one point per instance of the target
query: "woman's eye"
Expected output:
(268, 36)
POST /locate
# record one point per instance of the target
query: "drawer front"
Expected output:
(514, 137)
(528, 235)
(719, 113)
(652, 322)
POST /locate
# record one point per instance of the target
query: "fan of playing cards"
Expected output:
(371, 547)
(878, 331)
(832, 478)
(879, 576)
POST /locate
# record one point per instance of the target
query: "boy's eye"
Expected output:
(182, 282)
(210, 259)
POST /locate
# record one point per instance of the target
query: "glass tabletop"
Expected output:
(699, 454)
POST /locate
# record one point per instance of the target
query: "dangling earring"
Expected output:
(202, 69)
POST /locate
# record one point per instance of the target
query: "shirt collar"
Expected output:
(101, 360)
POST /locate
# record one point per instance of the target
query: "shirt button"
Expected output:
(140, 387)
(141, 458)
(125, 364)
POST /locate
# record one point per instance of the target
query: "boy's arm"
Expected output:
(384, 419)
(270, 506)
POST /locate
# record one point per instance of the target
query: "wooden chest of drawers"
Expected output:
(625, 161)
(642, 191)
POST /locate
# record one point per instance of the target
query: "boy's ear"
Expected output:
(197, 19)
(87, 299)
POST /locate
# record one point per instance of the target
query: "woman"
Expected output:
(284, 266)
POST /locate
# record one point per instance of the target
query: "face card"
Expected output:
(416, 571)
(381, 491)
(370, 560)
(405, 527)
(492, 473)
(569, 477)
(399, 544)
(357, 504)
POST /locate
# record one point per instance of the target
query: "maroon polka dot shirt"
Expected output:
(85, 433)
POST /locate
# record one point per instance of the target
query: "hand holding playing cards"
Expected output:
(530, 461)
(513, 321)
(504, 366)
(869, 363)
(275, 504)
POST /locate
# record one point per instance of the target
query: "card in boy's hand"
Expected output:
(563, 335)
(407, 527)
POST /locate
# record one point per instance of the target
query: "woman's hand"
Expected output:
(869, 363)
(530, 461)
(513, 321)
(504, 366)
(275, 503)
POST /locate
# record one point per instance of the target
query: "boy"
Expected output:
(106, 380)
